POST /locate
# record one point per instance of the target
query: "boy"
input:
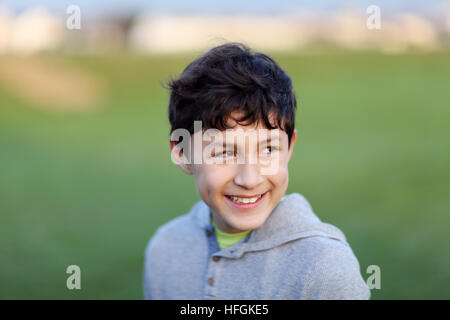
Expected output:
(245, 239)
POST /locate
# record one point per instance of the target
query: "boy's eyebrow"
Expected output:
(221, 144)
(232, 143)
(275, 136)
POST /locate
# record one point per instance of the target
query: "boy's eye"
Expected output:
(226, 153)
(269, 149)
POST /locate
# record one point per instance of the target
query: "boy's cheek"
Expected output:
(280, 181)
(213, 178)
(275, 168)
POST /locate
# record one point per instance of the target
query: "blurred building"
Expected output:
(37, 29)
(170, 33)
(5, 26)
(32, 31)
(401, 32)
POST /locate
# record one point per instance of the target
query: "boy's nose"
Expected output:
(248, 176)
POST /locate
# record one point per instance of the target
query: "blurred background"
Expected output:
(85, 169)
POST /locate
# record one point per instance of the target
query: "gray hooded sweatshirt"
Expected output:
(293, 255)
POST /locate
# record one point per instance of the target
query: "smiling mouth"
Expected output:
(245, 199)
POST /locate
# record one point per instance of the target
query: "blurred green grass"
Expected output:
(372, 157)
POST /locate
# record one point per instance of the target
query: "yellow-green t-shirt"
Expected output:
(228, 239)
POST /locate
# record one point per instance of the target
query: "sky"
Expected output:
(102, 7)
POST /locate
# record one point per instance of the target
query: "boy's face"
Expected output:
(240, 193)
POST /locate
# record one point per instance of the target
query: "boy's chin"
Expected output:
(241, 225)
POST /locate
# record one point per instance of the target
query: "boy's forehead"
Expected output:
(235, 117)
(237, 129)
(258, 126)
(242, 135)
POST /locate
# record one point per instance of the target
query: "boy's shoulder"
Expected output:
(185, 229)
(180, 224)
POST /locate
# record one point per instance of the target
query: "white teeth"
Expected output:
(245, 200)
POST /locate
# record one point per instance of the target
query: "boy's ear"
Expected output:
(291, 147)
(178, 158)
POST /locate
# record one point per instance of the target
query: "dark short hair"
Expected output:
(227, 78)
